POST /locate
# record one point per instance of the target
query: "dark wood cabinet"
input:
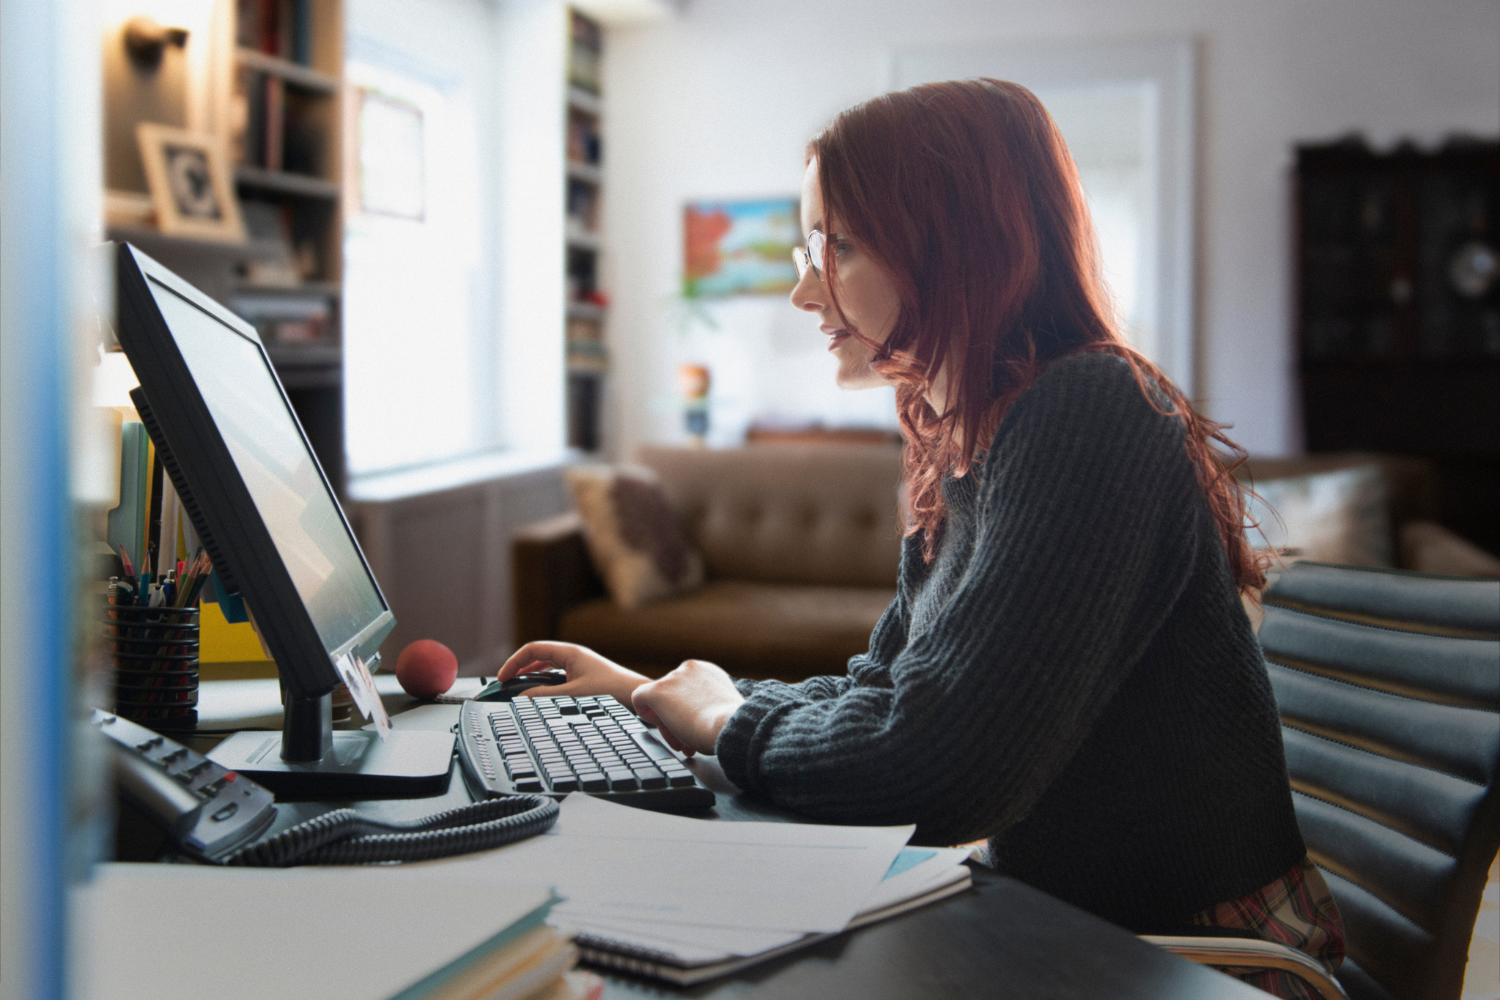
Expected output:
(1398, 312)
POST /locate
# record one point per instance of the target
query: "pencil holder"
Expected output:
(154, 662)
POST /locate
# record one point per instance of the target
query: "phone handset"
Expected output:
(217, 815)
(210, 812)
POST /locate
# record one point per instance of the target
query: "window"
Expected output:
(1126, 111)
(421, 338)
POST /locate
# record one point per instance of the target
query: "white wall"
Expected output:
(719, 102)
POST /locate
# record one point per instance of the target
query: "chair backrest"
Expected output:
(812, 514)
(1389, 689)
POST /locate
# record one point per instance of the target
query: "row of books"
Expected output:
(584, 143)
(586, 43)
(274, 128)
(281, 28)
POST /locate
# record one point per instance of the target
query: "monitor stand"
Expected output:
(308, 760)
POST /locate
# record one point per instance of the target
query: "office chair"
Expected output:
(1388, 685)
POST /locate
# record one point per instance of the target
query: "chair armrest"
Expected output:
(551, 573)
(1251, 953)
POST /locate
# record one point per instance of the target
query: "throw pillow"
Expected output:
(1333, 517)
(634, 537)
(1428, 547)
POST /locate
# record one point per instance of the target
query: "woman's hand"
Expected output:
(588, 672)
(691, 705)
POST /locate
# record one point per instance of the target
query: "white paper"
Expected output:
(613, 862)
(694, 944)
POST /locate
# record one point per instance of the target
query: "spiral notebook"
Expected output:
(685, 954)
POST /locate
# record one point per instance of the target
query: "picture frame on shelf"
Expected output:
(191, 184)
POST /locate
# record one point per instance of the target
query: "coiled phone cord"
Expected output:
(344, 837)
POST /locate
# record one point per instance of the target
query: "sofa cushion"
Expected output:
(811, 514)
(750, 629)
(1334, 515)
(633, 535)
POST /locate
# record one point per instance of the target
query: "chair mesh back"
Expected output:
(1389, 690)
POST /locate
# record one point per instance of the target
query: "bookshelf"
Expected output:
(273, 91)
(1398, 312)
(286, 143)
(586, 300)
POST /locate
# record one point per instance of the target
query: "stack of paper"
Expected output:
(689, 899)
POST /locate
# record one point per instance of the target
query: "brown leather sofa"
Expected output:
(801, 547)
(800, 543)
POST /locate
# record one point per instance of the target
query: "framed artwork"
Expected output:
(739, 247)
(191, 186)
(392, 168)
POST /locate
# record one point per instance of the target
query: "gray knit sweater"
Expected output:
(1073, 676)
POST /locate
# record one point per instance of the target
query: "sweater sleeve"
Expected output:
(1087, 518)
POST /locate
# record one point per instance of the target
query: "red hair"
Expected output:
(966, 197)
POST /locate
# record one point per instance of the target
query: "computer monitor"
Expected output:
(238, 458)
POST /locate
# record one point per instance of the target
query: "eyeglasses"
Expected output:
(810, 256)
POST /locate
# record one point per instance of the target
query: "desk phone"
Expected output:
(209, 811)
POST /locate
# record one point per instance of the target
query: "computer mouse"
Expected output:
(498, 691)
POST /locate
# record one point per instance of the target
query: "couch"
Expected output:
(801, 548)
(1360, 509)
(800, 543)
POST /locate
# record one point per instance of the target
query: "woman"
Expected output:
(1067, 669)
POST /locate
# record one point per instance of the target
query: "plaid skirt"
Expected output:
(1296, 910)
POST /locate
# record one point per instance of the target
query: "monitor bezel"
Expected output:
(203, 460)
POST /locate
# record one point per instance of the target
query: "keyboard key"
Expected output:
(680, 780)
(593, 781)
(621, 780)
(650, 777)
(532, 784)
(651, 746)
(568, 784)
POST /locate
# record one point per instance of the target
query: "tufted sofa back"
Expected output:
(812, 514)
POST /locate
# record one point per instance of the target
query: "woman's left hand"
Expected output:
(691, 705)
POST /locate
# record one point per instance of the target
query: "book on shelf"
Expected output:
(280, 28)
(286, 318)
(276, 126)
(584, 50)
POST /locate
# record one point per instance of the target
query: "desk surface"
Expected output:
(1002, 939)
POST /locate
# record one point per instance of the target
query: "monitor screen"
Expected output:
(242, 465)
(272, 456)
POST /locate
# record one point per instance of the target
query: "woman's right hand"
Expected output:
(588, 672)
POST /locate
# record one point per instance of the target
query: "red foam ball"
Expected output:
(426, 668)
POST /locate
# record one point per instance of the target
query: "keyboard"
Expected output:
(554, 746)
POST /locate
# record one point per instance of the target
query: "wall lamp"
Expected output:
(146, 41)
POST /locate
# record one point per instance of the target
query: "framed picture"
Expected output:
(392, 154)
(191, 186)
(739, 247)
